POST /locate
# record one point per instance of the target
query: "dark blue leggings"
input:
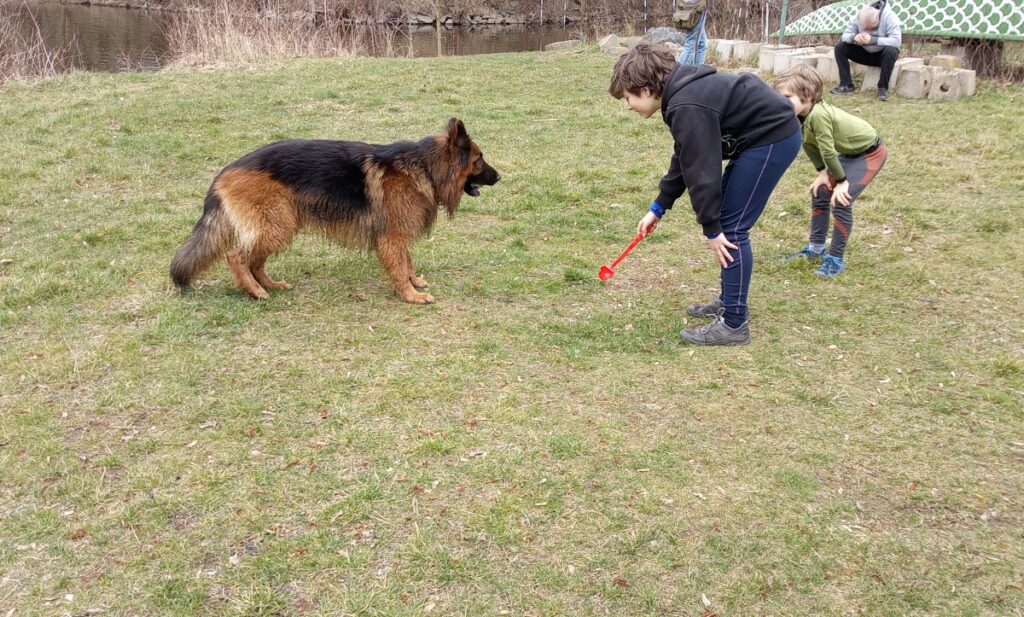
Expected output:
(747, 182)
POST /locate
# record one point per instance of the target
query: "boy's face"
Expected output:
(799, 106)
(643, 103)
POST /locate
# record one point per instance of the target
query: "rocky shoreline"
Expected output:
(411, 12)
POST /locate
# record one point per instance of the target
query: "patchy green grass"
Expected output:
(536, 443)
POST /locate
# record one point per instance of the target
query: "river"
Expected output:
(104, 38)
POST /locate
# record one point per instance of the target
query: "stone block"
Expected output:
(612, 40)
(914, 82)
(723, 48)
(968, 82)
(945, 85)
(872, 73)
(945, 61)
(766, 55)
(561, 45)
(785, 59)
(824, 49)
(745, 51)
(630, 41)
(828, 69)
(810, 60)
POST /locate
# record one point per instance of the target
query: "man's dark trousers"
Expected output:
(885, 59)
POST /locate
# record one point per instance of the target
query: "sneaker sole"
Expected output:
(687, 341)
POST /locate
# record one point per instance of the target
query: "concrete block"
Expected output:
(945, 85)
(824, 49)
(872, 73)
(828, 69)
(857, 70)
(968, 82)
(766, 55)
(810, 60)
(914, 82)
(725, 48)
(945, 61)
(745, 51)
(785, 59)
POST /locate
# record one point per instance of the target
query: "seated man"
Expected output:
(873, 38)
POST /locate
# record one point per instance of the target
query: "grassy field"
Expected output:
(536, 443)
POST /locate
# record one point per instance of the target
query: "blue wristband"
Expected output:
(657, 209)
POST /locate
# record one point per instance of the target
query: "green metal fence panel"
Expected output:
(972, 19)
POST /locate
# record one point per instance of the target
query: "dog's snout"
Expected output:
(497, 176)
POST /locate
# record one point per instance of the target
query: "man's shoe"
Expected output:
(711, 309)
(843, 89)
(883, 94)
(716, 333)
(830, 266)
(806, 253)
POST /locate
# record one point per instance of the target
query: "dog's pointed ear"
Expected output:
(457, 134)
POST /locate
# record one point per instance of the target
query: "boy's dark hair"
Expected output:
(645, 66)
(801, 80)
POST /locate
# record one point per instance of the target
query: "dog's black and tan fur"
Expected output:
(375, 197)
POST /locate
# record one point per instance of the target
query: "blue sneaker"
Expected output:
(830, 266)
(806, 253)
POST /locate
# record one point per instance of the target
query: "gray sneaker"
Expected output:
(710, 309)
(716, 333)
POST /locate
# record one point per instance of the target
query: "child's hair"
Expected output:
(801, 80)
(645, 66)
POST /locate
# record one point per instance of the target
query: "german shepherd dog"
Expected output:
(368, 196)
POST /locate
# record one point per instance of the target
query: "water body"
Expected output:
(104, 38)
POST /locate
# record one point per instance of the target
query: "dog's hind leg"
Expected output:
(417, 281)
(393, 251)
(261, 276)
(241, 270)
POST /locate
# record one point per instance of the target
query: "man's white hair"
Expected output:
(867, 17)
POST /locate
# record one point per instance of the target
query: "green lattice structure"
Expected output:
(999, 20)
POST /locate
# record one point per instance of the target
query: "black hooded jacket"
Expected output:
(716, 116)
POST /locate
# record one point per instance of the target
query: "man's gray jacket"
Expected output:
(888, 33)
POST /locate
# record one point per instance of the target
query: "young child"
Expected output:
(713, 116)
(846, 151)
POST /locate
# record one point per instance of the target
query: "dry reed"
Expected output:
(24, 53)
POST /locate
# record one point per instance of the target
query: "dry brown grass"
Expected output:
(23, 53)
(223, 35)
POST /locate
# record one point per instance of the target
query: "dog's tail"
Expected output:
(211, 236)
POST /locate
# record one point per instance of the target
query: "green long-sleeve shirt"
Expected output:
(829, 132)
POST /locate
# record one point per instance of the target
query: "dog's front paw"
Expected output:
(418, 298)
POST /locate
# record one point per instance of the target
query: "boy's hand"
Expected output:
(820, 181)
(720, 247)
(647, 224)
(841, 194)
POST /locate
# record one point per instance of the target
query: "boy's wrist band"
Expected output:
(657, 209)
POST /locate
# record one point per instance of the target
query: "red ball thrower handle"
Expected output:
(607, 272)
(629, 248)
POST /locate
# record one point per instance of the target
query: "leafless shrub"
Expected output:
(24, 53)
(224, 33)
